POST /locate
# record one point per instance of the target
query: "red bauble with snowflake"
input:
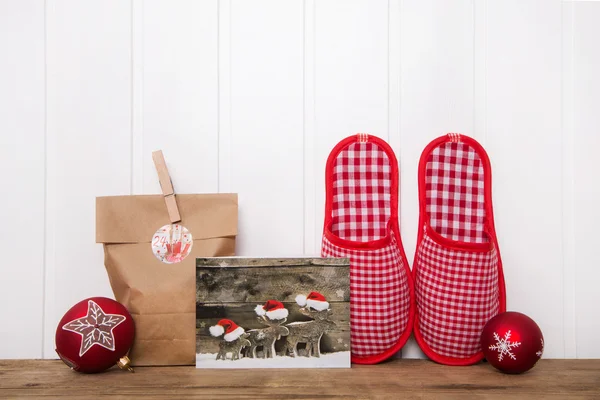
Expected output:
(512, 342)
(94, 335)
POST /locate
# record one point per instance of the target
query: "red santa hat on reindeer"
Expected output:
(273, 309)
(231, 330)
(314, 300)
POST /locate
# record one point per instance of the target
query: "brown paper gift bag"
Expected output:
(161, 297)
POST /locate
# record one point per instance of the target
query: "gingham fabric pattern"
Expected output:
(380, 298)
(457, 294)
(361, 193)
(454, 193)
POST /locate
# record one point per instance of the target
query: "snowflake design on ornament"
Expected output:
(95, 328)
(541, 351)
(504, 346)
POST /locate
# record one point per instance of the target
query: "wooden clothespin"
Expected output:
(166, 185)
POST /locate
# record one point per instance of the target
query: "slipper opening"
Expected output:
(455, 193)
(362, 191)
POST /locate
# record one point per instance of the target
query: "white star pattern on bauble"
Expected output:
(504, 346)
(541, 351)
(95, 328)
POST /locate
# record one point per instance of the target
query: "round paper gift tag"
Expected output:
(172, 243)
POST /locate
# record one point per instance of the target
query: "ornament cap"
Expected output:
(125, 364)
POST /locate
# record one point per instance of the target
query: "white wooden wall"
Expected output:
(250, 97)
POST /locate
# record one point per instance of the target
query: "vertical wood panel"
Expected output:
(22, 163)
(89, 137)
(266, 131)
(568, 185)
(523, 139)
(394, 76)
(180, 91)
(224, 74)
(138, 157)
(394, 110)
(436, 96)
(587, 183)
(436, 89)
(312, 236)
(351, 80)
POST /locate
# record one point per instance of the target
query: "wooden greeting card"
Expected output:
(272, 312)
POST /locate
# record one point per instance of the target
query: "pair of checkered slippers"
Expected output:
(456, 284)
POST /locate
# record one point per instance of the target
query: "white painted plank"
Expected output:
(523, 139)
(312, 175)
(179, 103)
(586, 64)
(138, 155)
(394, 106)
(394, 77)
(224, 73)
(22, 142)
(479, 69)
(568, 185)
(351, 81)
(436, 96)
(436, 90)
(89, 143)
(351, 69)
(266, 137)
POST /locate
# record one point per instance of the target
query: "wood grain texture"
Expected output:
(410, 379)
(238, 262)
(243, 314)
(261, 283)
(232, 287)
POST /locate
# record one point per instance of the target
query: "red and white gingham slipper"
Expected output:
(361, 223)
(459, 283)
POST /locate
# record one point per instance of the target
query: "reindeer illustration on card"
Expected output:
(272, 313)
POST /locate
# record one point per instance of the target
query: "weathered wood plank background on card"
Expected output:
(243, 314)
(232, 287)
(265, 279)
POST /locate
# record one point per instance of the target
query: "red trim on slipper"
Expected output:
(355, 245)
(456, 244)
(490, 230)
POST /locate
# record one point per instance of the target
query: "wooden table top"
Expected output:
(413, 379)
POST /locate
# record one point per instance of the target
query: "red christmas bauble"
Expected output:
(512, 342)
(94, 334)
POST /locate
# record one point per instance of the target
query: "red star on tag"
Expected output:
(95, 328)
